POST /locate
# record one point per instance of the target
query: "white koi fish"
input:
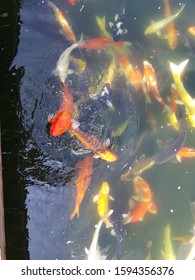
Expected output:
(63, 62)
(94, 250)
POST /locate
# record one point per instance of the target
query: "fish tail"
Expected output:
(177, 70)
(75, 212)
(81, 41)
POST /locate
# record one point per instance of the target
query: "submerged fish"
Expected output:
(72, 2)
(63, 62)
(69, 34)
(191, 30)
(143, 202)
(100, 43)
(94, 250)
(185, 152)
(167, 252)
(93, 144)
(85, 171)
(171, 33)
(118, 26)
(102, 199)
(158, 25)
(171, 150)
(138, 167)
(187, 100)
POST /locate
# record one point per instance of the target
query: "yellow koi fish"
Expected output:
(101, 22)
(102, 199)
(187, 100)
(158, 25)
(167, 252)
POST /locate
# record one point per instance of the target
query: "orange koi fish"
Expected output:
(85, 171)
(72, 2)
(93, 144)
(102, 199)
(62, 120)
(151, 81)
(132, 75)
(170, 30)
(191, 30)
(144, 203)
(69, 34)
(100, 43)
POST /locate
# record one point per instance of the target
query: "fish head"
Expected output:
(105, 189)
(60, 124)
(108, 155)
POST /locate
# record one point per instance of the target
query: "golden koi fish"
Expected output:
(187, 100)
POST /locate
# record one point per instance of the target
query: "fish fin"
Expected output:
(153, 208)
(50, 118)
(141, 219)
(74, 124)
(81, 41)
(106, 142)
(112, 232)
(111, 198)
(126, 219)
(86, 251)
(179, 102)
(108, 224)
(178, 69)
(96, 156)
(178, 158)
(111, 24)
(125, 31)
(70, 71)
(116, 17)
(95, 198)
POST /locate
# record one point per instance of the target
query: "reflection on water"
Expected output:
(45, 165)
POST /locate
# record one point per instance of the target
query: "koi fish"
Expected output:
(101, 22)
(167, 252)
(187, 100)
(185, 152)
(85, 171)
(92, 144)
(62, 120)
(69, 34)
(191, 30)
(151, 80)
(138, 167)
(72, 2)
(132, 74)
(170, 151)
(94, 250)
(156, 26)
(100, 43)
(102, 199)
(63, 62)
(118, 27)
(144, 203)
(171, 33)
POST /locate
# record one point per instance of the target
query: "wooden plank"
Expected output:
(2, 222)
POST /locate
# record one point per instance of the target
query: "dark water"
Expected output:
(39, 170)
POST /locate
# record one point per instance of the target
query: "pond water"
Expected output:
(39, 170)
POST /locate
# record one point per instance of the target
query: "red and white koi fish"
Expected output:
(144, 202)
(85, 171)
(67, 30)
(151, 81)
